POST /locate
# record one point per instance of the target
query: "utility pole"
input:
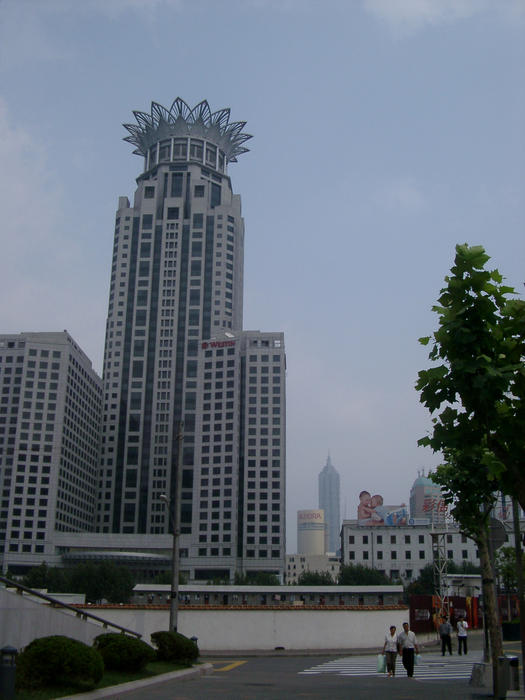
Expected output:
(519, 567)
(174, 507)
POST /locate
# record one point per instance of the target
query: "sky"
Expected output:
(385, 132)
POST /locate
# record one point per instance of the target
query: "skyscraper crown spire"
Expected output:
(180, 120)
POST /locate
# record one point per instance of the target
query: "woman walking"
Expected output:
(390, 650)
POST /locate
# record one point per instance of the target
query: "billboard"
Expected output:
(372, 511)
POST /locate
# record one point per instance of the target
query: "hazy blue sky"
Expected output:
(385, 132)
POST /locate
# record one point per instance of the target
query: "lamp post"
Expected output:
(174, 517)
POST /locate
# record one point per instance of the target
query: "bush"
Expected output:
(58, 661)
(122, 653)
(175, 647)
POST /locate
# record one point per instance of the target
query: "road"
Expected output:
(320, 678)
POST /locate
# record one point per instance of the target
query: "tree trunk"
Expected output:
(491, 605)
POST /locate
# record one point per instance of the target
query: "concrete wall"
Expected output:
(217, 629)
(265, 629)
(23, 619)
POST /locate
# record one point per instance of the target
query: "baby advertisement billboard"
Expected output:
(372, 511)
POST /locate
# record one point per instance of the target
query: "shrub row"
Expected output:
(62, 661)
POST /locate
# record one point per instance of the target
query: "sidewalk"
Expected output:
(112, 690)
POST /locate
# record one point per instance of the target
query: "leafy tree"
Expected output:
(256, 578)
(359, 575)
(506, 568)
(466, 567)
(315, 578)
(424, 584)
(164, 577)
(477, 387)
(97, 581)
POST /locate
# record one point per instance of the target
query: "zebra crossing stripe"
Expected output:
(429, 668)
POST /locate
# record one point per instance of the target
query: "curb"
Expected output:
(115, 690)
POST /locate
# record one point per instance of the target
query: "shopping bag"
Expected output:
(417, 659)
(381, 663)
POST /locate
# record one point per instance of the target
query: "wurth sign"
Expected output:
(218, 344)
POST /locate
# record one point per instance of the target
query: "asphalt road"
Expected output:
(320, 678)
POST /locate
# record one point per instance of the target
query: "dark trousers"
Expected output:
(446, 643)
(408, 661)
(391, 662)
(462, 642)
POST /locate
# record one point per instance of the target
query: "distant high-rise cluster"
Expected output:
(329, 501)
(175, 355)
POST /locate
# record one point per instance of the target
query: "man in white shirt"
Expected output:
(462, 635)
(408, 647)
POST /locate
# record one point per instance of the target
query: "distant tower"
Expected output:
(329, 485)
(310, 532)
(426, 500)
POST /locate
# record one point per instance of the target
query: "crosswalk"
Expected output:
(432, 667)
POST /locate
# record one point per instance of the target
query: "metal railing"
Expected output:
(80, 613)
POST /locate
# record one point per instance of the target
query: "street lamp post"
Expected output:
(174, 506)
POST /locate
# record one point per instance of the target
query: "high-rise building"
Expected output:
(329, 501)
(426, 500)
(50, 414)
(175, 352)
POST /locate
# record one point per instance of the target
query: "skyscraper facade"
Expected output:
(50, 414)
(426, 501)
(329, 501)
(176, 352)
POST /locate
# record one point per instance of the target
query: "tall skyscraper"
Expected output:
(426, 500)
(329, 501)
(175, 351)
(49, 444)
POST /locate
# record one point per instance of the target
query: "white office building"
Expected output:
(176, 352)
(49, 444)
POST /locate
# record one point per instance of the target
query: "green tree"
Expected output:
(466, 567)
(315, 578)
(359, 575)
(476, 387)
(54, 579)
(505, 563)
(105, 581)
(256, 578)
(424, 584)
(164, 577)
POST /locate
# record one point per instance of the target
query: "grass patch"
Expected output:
(154, 668)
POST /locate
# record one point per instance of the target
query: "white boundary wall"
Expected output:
(249, 629)
(23, 620)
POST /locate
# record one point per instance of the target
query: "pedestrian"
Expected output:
(390, 651)
(462, 635)
(407, 648)
(445, 630)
